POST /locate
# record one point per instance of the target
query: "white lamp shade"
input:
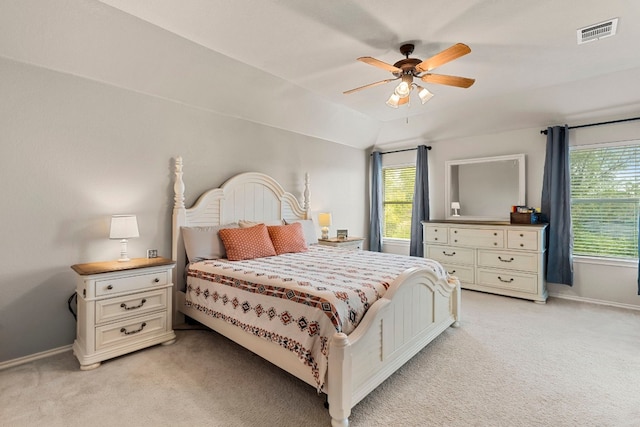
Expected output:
(455, 205)
(123, 227)
(324, 219)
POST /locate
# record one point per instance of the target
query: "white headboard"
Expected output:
(250, 196)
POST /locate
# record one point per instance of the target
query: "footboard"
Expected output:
(416, 308)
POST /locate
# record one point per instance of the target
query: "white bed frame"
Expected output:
(416, 308)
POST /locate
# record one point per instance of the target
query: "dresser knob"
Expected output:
(435, 238)
(156, 280)
(495, 243)
(456, 240)
(455, 231)
(521, 235)
(110, 287)
(521, 245)
(495, 234)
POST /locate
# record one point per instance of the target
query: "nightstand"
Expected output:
(122, 307)
(348, 243)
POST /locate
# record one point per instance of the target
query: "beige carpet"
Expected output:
(511, 363)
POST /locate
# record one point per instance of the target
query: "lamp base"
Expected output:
(325, 233)
(124, 257)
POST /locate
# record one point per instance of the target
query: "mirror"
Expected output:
(485, 188)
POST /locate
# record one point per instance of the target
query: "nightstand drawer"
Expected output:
(130, 305)
(130, 283)
(133, 329)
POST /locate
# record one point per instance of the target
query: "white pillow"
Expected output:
(309, 230)
(204, 242)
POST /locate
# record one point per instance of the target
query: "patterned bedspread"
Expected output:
(298, 300)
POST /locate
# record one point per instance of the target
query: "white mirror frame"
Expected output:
(520, 158)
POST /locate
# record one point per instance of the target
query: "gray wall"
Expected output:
(75, 151)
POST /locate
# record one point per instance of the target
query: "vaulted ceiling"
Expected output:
(286, 63)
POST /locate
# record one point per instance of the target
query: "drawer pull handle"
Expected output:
(455, 231)
(435, 238)
(521, 235)
(123, 305)
(156, 280)
(521, 244)
(495, 234)
(505, 260)
(110, 287)
(124, 331)
(505, 281)
(446, 254)
(495, 243)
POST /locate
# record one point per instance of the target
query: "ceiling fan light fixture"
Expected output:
(424, 94)
(393, 100)
(402, 90)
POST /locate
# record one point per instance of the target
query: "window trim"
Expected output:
(603, 260)
(398, 240)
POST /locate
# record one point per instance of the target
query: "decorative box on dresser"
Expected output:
(496, 257)
(122, 307)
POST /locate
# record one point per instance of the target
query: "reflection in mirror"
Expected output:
(484, 188)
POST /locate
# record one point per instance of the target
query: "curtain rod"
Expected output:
(544, 132)
(400, 151)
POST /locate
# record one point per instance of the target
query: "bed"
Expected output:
(414, 306)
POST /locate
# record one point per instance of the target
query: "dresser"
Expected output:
(500, 258)
(122, 307)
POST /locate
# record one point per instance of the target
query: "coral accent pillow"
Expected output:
(287, 238)
(247, 243)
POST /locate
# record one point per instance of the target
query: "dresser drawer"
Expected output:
(510, 260)
(133, 329)
(112, 309)
(508, 280)
(463, 272)
(435, 234)
(451, 255)
(477, 238)
(130, 283)
(521, 239)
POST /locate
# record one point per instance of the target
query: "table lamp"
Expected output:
(324, 219)
(123, 227)
(455, 206)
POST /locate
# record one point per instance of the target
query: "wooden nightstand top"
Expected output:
(347, 240)
(111, 266)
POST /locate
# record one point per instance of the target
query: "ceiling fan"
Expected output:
(408, 68)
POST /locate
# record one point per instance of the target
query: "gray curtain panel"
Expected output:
(556, 204)
(375, 223)
(420, 209)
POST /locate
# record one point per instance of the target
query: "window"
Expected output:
(605, 196)
(397, 201)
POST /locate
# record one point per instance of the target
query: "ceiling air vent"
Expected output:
(597, 31)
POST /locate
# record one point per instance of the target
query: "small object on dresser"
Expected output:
(342, 234)
(525, 218)
(152, 253)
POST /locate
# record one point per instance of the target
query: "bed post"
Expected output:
(339, 380)
(306, 202)
(179, 218)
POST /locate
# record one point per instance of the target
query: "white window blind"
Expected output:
(399, 183)
(605, 196)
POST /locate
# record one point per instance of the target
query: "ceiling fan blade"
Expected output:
(369, 85)
(380, 64)
(448, 80)
(447, 55)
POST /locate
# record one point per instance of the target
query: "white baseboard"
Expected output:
(30, 358)
(595, 301)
